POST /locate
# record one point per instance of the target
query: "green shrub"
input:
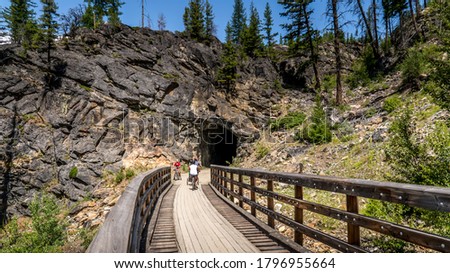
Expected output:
(73, 172)
(120, 176)
(418, 162)
(289, 121)
(414, 65)
(46, 233)
(129, 173)
(414, 161)
(318, 129)
(329, 83)
(261, 150)
(364, 70)
(392, 103)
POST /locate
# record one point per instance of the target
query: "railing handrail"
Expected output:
(122, 230)
(428, 197)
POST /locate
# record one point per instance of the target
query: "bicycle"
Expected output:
(195, 182)
(177, 174)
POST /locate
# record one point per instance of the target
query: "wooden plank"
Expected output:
(201, 228)
(274, 235)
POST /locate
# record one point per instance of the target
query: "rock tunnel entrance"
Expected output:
(218, 145)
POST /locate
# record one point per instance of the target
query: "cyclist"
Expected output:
(193, 173)
(177, 175)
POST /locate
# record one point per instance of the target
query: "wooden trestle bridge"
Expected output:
(235, 210)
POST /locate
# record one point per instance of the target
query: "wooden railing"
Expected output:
(242, 184)
(123, 228)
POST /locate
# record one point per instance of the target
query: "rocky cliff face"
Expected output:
(125, 99)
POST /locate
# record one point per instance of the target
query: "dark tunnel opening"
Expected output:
(218, 146)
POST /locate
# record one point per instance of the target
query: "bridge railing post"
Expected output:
(270, 204)
(298, 215)
(241, 203)
(253, 194)
(232, 185)
(353, 230)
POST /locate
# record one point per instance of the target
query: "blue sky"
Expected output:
(173, 12)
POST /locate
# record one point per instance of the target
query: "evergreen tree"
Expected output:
(49, 25)
(227, 74)
(252, 40)
(88, 20)
(238, 21)
(98, 9)
(194, 20)
(187, 20)
(300, 32)
(228, 32)
(113, 11)
(20, 21)
(209, 20)
(268, 23)
(317, 130)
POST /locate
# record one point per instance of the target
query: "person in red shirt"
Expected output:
(177, 175)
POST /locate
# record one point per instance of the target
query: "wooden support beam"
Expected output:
(298, 215)
(241, 203)
(270, 204)
(253, 195)
(353, 230)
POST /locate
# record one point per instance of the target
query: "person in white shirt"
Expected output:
(193, 173)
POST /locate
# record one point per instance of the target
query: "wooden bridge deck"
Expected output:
(198, 221)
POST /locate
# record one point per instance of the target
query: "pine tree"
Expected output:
(194, 17)
(227, 74)
(187, 20)
(49, 25)
(300, 32)
(88, 20)
(252, 40)
(295, 27)
(268, 23)
(228, 32)
(20, 21)
(209, 20)
(113, 11)
(238, 21)
(97, 9)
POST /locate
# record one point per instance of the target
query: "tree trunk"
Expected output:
(416, 29)
(418, 9)
(337, 52)
(368, 30)
(311, 48)
(386, 25)
(375, 27)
